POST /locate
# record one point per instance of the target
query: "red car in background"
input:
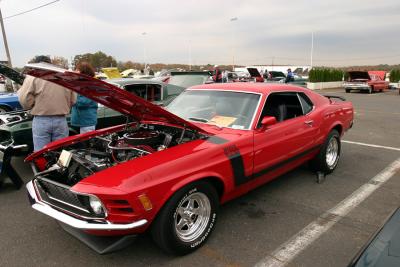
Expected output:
(368, 81)
(256, 75)
(168, 170)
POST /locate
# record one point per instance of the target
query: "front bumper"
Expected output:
(357, 87)
(75, 222)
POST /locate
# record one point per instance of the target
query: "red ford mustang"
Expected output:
(168, 170)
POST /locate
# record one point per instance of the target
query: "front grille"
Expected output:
(60, 196)
(60, 193)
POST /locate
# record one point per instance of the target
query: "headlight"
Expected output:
(96, 205)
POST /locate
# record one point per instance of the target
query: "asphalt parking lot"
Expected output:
(270, 225)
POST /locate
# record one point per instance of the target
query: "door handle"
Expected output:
(309, 123)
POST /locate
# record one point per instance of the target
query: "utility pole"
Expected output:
(273, 62)
(190, 55)
(5, 40)
(312, 49)
(233, 42)
(144, 50)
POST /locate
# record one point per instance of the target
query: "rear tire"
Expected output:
(328, 157)
(187, 219)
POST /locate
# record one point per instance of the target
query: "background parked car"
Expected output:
(367, 81)
(383, 249)
(187, 79)
(152, 90)
(279, 76)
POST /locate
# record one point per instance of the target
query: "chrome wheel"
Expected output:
(192, 216)
(332, 153)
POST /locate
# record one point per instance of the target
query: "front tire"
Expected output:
(328, 157)
(187, 219)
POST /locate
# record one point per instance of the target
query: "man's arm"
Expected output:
(26, 93)
(73, 98)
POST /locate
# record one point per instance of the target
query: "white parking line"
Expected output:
(299, 242)
(371, 145)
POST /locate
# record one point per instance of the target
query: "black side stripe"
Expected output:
(236, 160)
(283, 163)
(217, 140)
(237, 164)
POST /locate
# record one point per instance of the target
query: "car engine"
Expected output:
(101, 152)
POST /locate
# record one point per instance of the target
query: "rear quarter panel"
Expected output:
(332, 113)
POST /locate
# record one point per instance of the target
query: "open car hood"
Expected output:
(12, 74)
(107, 94)
(379, 73)
(254, 72)
(111, 73)
(354, 75)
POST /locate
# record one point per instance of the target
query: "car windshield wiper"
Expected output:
(198, 119)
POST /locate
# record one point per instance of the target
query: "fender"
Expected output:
(191, 179)
(334, 125)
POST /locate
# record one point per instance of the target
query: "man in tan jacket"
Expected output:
(49, 104)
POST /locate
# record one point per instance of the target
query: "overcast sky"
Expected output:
(346, 32)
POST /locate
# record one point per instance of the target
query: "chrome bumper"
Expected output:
(356, 86)
(72, 221)
(13, 147)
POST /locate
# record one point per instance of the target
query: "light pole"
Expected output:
(312, 49)
(5, 40)
(233, 42)
(144, 50)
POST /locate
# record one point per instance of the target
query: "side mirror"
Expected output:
(267, 121)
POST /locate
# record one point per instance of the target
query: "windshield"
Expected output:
(223, 108)
(187, 80)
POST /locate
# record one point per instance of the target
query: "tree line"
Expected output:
(101, 60)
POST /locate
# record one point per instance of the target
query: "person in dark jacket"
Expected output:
(217, 77)
(84, 112)
(289, 76)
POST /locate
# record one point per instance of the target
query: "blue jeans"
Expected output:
(86, 129)
(46, 129)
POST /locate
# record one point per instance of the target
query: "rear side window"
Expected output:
(306, 103)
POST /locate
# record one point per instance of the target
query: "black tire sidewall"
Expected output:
(319, 162)
(163, 230)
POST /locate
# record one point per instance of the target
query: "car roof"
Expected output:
(263, 88)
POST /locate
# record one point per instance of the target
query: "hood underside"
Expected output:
(254, 72)
(359, 75)
(107, 94)
(12, 74)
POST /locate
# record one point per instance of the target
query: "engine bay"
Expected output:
(73, 163)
